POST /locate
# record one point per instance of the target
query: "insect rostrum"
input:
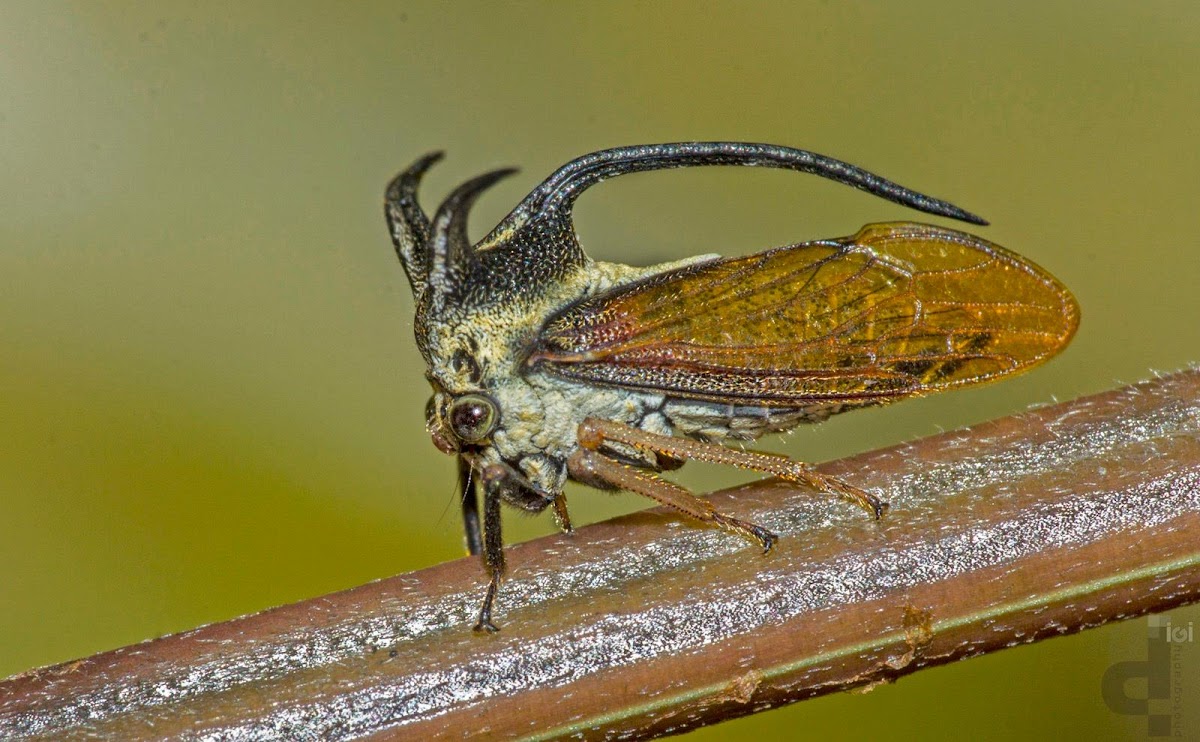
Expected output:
(547, 365)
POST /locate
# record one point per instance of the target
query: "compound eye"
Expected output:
(473, 417)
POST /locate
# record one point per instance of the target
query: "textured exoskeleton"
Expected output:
(547, 365)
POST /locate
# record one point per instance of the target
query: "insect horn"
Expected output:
(451, 258)
(552, 200)
(408, 223)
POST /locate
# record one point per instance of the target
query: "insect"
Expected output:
(548, 366)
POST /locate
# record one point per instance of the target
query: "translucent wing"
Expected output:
(896, 310)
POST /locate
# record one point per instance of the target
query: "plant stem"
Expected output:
(1027, 527)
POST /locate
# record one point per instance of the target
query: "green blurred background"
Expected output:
(210, 400)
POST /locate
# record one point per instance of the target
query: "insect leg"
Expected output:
(469, 496)
(591, 465)
(493, 545)
(561, 514)
(592, 432)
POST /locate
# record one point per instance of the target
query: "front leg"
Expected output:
(469, 500)
(493, 543)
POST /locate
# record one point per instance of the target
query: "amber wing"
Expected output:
(896, 310)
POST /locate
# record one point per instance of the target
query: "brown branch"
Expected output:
(1026, 527)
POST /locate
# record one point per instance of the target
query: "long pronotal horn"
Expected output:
(408, 223)
(450, 253)
(552, 200)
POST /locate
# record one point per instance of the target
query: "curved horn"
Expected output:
(553, 199)
(450, 253)
(408, 223)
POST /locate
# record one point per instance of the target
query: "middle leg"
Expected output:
(589, 465)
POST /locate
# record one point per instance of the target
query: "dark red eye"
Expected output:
(473, 417)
